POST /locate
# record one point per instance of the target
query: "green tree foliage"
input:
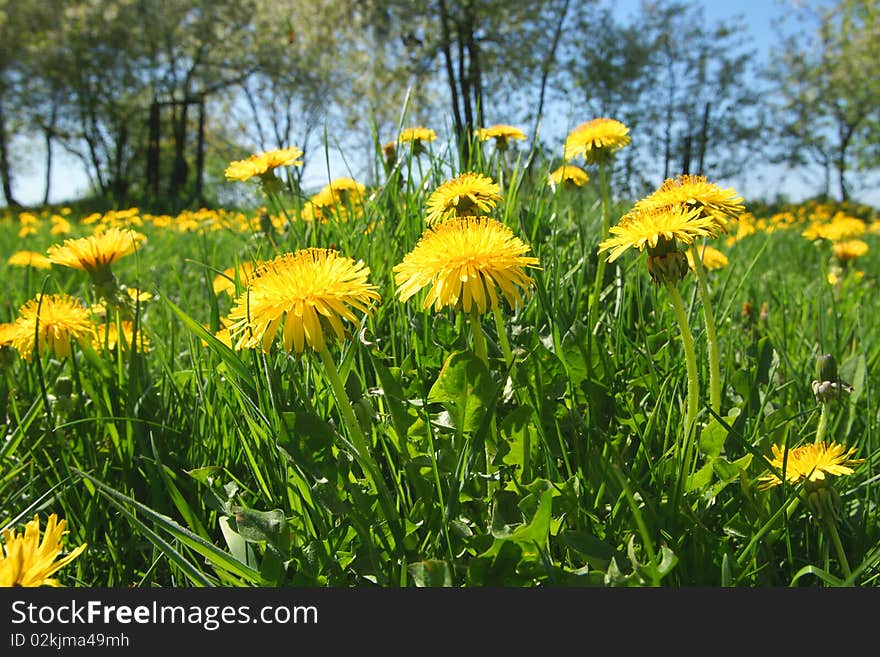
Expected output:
(827, 78)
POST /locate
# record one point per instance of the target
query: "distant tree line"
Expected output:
(153, 97)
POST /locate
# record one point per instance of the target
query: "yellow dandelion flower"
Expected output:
(262, 164)
(109, 335)
(502, 134)
(8, 333)
(849, 249)
(60, 225)
(225, 282)
(712, 258)
(338, 197)
(467, 195)
(29, 259)
(464, 261)
(98, 251)
(810, 463)
(568, 174)
(840, 228)
(416, 135)
(640, 229)
(596, 140)
(691, 191)
(27, 561)
(51, 322)
(315, 288)
(138, 296)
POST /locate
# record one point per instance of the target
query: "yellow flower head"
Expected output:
(98, 251)
(225, 282)
(416, 135)
(648, 228)
(464, 261)
(596, 140)
(28, 561)
(502, 134)
(810, 463)
(840, 228)
(337, 198)
(263, 164)
(691, 191)
(468, 195)
(568, 174)
(29, 259)
(51, 322)
(849, 250)
(712, 258)
(315, 288)
(109, 335)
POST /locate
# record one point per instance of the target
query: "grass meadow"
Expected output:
(513, 447)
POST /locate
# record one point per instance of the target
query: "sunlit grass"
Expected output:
(528, 452)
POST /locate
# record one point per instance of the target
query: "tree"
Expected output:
(828, 94)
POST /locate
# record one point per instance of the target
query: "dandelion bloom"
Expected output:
(416, 135)
(464, 261)
(568, 174)
(502, 134)
(697, 192)
(52, 322)
(712, 258)
(337, 198)
(8, 333)
(849, 249)
(109, 335)
(640, 229)
(225, 282)
(596, 140)
(840, 228)
(28, 561)
(262, 164)
(468, 195)
(315, 288)
(810, 463)
(659, 230)
(96, 252)
(29, 259)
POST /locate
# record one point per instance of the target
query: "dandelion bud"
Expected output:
(823, 500)
(764, 312)
(826, 368)
(669, 267)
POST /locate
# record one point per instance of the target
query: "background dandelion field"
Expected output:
(183, 462)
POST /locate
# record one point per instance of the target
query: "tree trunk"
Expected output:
(704, 141)
(47, 138)
(180, 169)
(5, 171)
(548, 62)
(200, 155)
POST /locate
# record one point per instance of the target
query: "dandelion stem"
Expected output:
(600, 266)
(693, 384)
(831, 528)
(711, 334)
(502, 339)
(359, 442)
(822, 427)
(478, 336)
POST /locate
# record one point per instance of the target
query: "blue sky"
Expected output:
(69, 181)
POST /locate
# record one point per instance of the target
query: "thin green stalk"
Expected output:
(482, 353)
(478, 336)
(711, 334)
(693, 384)
(831, 528)
(822, 427)
(359, 442)
(600, 267)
